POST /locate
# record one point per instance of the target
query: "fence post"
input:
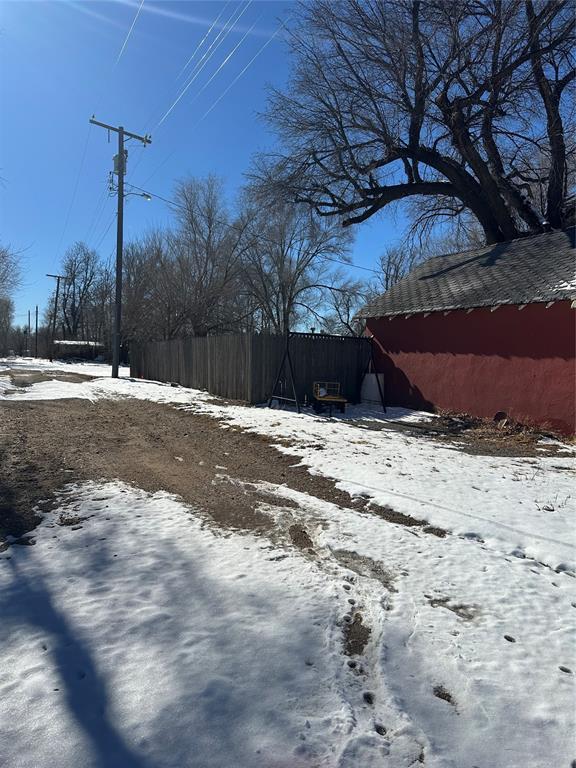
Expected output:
(208, 363)
(248, 364)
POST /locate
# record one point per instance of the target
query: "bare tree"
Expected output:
(207, 247)
(80, 267)
(140, 307)
(186, 281)
(444, 103)
(343, 302)
(6, 319)
(9, 271)
(287, 267)
(9, 279)
(98, 307)
(395, 263)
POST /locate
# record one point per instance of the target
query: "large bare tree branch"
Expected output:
(389, 96)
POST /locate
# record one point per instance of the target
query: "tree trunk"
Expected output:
(555, 128)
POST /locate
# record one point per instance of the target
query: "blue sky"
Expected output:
(59, 65)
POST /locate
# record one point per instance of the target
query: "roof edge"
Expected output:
(459, 308)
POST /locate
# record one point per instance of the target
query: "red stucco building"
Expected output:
(484, 332)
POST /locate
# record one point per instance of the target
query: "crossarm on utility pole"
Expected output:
(144, 139)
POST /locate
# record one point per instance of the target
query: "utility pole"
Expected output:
(120, 169)
(36, 334)
(57, 278)
(29, 331)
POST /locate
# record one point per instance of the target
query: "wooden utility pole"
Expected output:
(120, 170)
(29, 334)
(36, 334)
(57, 278)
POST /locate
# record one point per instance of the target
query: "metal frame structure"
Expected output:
(286, 358)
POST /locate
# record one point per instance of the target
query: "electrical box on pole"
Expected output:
(120, 167)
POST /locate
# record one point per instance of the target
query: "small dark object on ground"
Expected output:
(509, 638)
(467, 612)
(441, 693)
(71, 521)
(300, 537)
(435, 531)
(393, 516)
(369, 697)
(356, 636)
(365, 566)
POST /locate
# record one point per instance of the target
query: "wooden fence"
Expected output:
(243, 367)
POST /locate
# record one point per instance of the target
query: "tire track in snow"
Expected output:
(378, 733)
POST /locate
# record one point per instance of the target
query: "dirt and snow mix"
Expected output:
(135, 633)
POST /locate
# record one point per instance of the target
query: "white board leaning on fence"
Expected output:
(369, 392)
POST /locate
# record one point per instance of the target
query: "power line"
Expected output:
(85, 150)
(153, 194)
(219, 99)
(239, 75)
(226, 60)
(201, 43)
(74, 192)
(97, 215)
(129, 33)
(228, 26)
(179, 205)
(351, 264)
(197, 72)
(100, 241)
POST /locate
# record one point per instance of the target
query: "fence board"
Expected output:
(244, 366)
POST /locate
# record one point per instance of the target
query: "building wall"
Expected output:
(520, 362)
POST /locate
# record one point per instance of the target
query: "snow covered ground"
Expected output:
(40, 364)
(520, 506)
(147, 638)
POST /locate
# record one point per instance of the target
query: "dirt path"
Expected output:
(46, 444)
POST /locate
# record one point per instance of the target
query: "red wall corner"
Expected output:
(521, 362)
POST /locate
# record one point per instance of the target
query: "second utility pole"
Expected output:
(120, 170)
(57, 278)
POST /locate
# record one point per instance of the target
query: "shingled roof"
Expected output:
(539, 268)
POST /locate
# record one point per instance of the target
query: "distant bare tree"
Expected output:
(6, 319)
(186, 281)
(398, 260)
(343, 302)
(9, 279)
(395, 263)
(80, 267)
(139, 314)
(460, 106)
(98, 307)
(287, 267)
(9, 271)
(208, 246)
